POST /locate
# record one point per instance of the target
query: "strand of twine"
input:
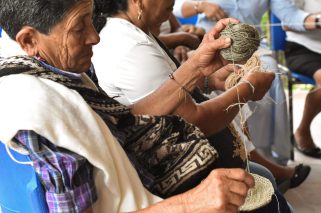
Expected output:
(245, 41)
(253, 64)
(281, 25)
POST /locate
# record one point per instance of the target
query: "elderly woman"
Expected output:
(143, 65)
(66, 123)
(138, 57)
(80, 163)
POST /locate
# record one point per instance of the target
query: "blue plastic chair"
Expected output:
(20, 188)
(190, 20)
(278, 37)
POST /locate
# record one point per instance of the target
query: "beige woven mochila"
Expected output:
(258, 196)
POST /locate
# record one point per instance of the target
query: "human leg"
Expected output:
(306, 62)
(296, 175)
(312, 107)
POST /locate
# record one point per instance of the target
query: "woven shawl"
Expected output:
(169, 154)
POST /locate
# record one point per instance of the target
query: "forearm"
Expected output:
(172, 40)
(171, 94)
(214, 115)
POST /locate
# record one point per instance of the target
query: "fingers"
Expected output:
(240, 175)
(232, 68)
(238, 187)
(219, 43)
(220, 25)
(236, 199)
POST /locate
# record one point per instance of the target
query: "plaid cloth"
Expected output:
(66, 176)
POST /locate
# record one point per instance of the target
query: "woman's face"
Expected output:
(68, 45)
(157, 11)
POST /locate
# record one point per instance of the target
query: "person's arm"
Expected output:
(211, 10)
(214, 112)
(223, 191)
(67, 177)
(172, 40)
(292, 17)
(203, 63)
(220, 111)
(178, 36)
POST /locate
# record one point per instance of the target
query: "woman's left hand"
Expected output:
(217, 79)
(206, 58)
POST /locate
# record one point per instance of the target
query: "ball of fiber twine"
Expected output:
(245, 41)
(258, 196)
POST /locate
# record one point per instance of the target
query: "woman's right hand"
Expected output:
(224, 191)
(206, 58)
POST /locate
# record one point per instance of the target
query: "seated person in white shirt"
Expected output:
(303, 53)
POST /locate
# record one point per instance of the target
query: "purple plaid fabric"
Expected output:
(66, 176)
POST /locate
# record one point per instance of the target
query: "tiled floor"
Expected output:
(307, 197)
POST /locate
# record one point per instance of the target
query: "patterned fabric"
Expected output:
(170, 155)
(66, 176)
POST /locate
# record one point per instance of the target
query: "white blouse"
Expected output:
(129, 63)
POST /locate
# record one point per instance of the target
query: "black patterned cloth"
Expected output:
(169, 154)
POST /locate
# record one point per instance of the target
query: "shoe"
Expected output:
(301, 172)
(313, 152)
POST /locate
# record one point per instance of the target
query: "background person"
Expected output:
(303, 53)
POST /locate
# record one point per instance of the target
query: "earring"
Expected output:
(140, 13)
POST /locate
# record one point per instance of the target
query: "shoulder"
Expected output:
(121, 31)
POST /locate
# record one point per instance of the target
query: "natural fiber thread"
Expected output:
(245, 41)
(252, 65)
(263, 190)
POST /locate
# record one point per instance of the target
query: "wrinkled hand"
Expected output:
(261, 81)
(206, 58)
(224, 191)
(213, 11)
(217, 79)
(181, 53)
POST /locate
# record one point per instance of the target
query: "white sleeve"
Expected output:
(142, 70)
(289, 14)
(178, 8)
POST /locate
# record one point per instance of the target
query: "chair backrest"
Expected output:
(20, 188)
(190, 20)
(277, 34)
